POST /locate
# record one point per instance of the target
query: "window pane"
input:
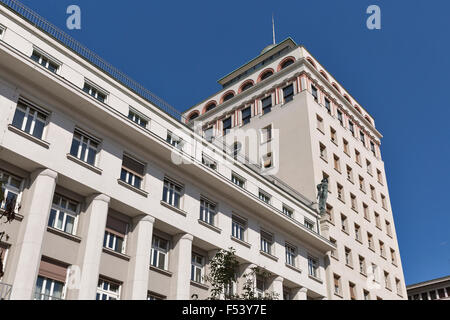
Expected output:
(18, 118)
(70, 221)
(74, 147)
(51, 221)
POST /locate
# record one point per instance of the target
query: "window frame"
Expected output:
(108, 292)
(50, 296)
(157, 250)
(58, 208)
(9, 188)
(37, 111)
(239, 227)
(208, 216)
(95, 91)
(138, 118)
(172, 188)
(130, 175)
(290, 254)
(196, 266)
(290, 96)
(48, 59)
(84, 136)
(266, 241)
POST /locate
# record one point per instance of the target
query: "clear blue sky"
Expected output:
(178, 49)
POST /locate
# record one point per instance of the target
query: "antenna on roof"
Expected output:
(273, 30)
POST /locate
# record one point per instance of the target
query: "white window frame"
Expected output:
(267, 134)
(195, 266)
(133, 175)
(88, 139)
(173, 188)
(209, 162)
(291, 254)
(313, 267)
(174, 140)
(8, 188)
(266, 242)
(288, 211)
(208, 211)
(49, 59)
(52, 288)
(36, 110)
(108, 235)
(157, 250)
(66, 212)
(108, 292)
(238, 227)
(264, 196)
(237, 178)
(2, 31)
(94, 90)
(307, 222)
(291, 96)
(138, 118)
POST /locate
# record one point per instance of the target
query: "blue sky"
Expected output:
(179, 49)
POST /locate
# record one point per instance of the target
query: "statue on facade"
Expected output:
(322, 190)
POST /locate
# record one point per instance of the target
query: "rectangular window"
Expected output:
(333, 135)
(266, 134)
(95, 92)
(287, 211)
(379, 176)
(45, 61)
(362, 185)
(197, 268)
(352, 291)
(30, 119)
(226, 124)
(266, 242)
(349, 174)
(354, 204)
(155, 297)
(340, 117)
(382, 249)
(398, 286)
(340, 192)
(369, 167)
(344, 223)
(115, 234)
(208, 134)
(337, 163)
(373, 193)
(314, 93)
(2, 31)
(64, 214)
(238, 227)
(370, 241)
(174, 140)
(260, 286)
(11, 190)
(209, 162)
(207, 211)
(266, 104)
(138, 119)
(337, 284)
(383, 202)
(48, 289)
(328, 105)
(334, 252)
(246, 115)
(366, 295)
(319, 123)
(377, 220)
(288, 93)
(84, 147)
(362, 265)
(372, 148)
(387, 281)
(358, 157)
(237, 180)
(362, 137)
(346, 147)
(388, 228)
(330, 213)
(264, 196)
(358, 233)
(375, 273)
(313, 267)
(393, 257)
(309, 224)
(291, 254)
(348, 257)
(323, 151)
(133, 172)
(366, 212)
(160, 253)
(107, 290)
(172, 193)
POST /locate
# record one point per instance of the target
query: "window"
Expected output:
(45, 61)
(333, 135)
(334, 252)
(64, 214)
(210, 163)
(337, 284)
(340, 192)
(388, 228)
(291, 254)
(107, 290)
(207, 211)
(238, 180)
(370, 241)
(246, 115)
(84, 147)
(340, 117)
(362, 265)
(349, 174)
(330, 213)
(387, 281)
(344, 223)
(208, 134)
(94, 92)
(132, 172)
(266, 242)
(441, 293)
(314, 93)
(373, 193)
(266, 134)
(11, 190)
(353, 202)
(309, 224)
(369, 167)
(264, 196)
(375, 273)
(346, 148)
(115, 234)
(366, 295)
(398, 286)
(383, 202)
(197, 268)
(337, 163)
(351, 127)
(137, 118)
(287, 63)
(154, 297)
(393, 257)
(238, 227)
(160, 253)
(323, 151)
(352, 291)
(30, 119)
(266, 75)
(288, 211)
(424, 296)
(358, 157)
(319, 123)
(266, 104)
(313, 267)
(357, 232)
(377, 220)
(379, 176)
(288, 93)
(237, 146)
(328, 105)
(362, 137)
(174, 140)
(48, 289)
(172, 193)
(382, 249)
(432, 295)
(2, 31)
(228, 96)
(366, 212)
(362, 185)
(260, 286)
(247, 86)
(372, 148)
(210, 106)
(226, 125)
(348, 257)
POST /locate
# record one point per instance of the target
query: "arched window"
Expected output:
(324, 74)
(358, 109)
(286, 63)
(368, 119)
(312, 62)
(209, 107)
(246, 85)
(336, 87)
(227, 96)
(193, 115)
(265, 74)
(347, 98)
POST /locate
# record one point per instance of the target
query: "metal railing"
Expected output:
(5, 291)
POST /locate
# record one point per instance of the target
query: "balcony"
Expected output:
(5, 291)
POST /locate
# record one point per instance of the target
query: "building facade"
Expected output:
(308, 127)
(116, 198)
(436, 289)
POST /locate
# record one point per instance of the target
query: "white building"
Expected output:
(436, 289)
(103, 209)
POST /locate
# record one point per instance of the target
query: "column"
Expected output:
(90, 251)
(140, 245)
(245, 269)
(277, 287)
(301, 294)
(36, 210)
(182, 255)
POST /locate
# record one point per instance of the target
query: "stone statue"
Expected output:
(322, 189)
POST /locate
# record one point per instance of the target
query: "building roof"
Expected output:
(428, 283)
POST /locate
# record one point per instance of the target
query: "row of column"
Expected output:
(28, 249)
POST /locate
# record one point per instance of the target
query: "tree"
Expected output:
(222, 277)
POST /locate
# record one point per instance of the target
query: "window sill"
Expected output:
(245, 244)
(339, 171)
(64, 234)
(356, 210)
(321, 131)
(84, 164)
(338, 295)
(395, 264)
(210, 226)
(367, 218)
(334, 257)
(139, 191)
(323, 159)
(28, 136)
(341, 200)
(363, 274)
(384, 257)
(268, 255)
(362, 190)
(177, 210)
(315, 279)
(162, 271)
(345, 231)
(116, 254)
(372, 249)
(350, 180)
(335, 143)
(349, 266)
(199, 285)
(370, 173)
(293, 268)
(347, 154)
(358, 240)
